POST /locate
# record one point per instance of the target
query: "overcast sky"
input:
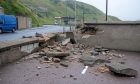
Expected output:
(123, 9)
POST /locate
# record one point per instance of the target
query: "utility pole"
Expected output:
(75, 13)
(106, 9)
(83, 14)
(66, 3)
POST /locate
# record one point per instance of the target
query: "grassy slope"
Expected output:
(36, 9)
(59, 9)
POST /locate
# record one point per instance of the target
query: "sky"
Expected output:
(127, 10)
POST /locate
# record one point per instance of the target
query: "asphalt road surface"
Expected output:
(32, 31)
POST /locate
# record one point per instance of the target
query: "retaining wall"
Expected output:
(122, 36)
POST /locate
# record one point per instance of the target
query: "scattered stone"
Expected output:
(46, 58)
(86, 36)
(38, 67)
(104, 53)
(58, 49)
(87, 60)
(42, 54)
(17, 62)
(81, 51)
(57, 54)
(98, 49)
(71, 76)
(74, 78)
(105, 50)
(90, 61)
(57, 66)
(64, 63)
(64, 76)
(110, 58)
(94, 53)
(66, 41)
(102, 69)
(99, 61)
(122, 70)
(122, 62)
(47, 67)
(37, 74)
(56, 60)
(75, 53)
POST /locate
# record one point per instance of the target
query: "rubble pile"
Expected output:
(63, 52)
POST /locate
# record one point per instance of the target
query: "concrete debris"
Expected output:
(105, 50)
(56, 60)
(121, 70)
(91, 61)
(64, 63)
(71, 76)
(46, 58)
(42, 54)
(87, 60)
(122, 62)
(74, 78)
(86, 36)
(98, 48)
(37, 74)
(59, 49)
(102, 69)
(66, 41)
(51, 47)
(116, 55)
(38, 67)
(64, 76)
(57, 54)
(94, 53)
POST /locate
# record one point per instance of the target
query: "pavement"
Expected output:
(30, 32)
(34, 72)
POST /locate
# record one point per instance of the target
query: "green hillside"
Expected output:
(44, 11)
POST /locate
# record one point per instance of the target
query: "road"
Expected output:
(31, 32)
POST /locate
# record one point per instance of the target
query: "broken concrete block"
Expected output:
(58, 49)
(87, 60)
(86, 36)
(102, 69)
(90, 61)
(121, 70)
(98, 49)
(105, 50)
(64, 63)
(94, 53)
(66, 41)
(56, 60)
(46, 58)
(57, 54)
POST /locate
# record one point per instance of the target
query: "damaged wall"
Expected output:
(13, 50)
(115, 36)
